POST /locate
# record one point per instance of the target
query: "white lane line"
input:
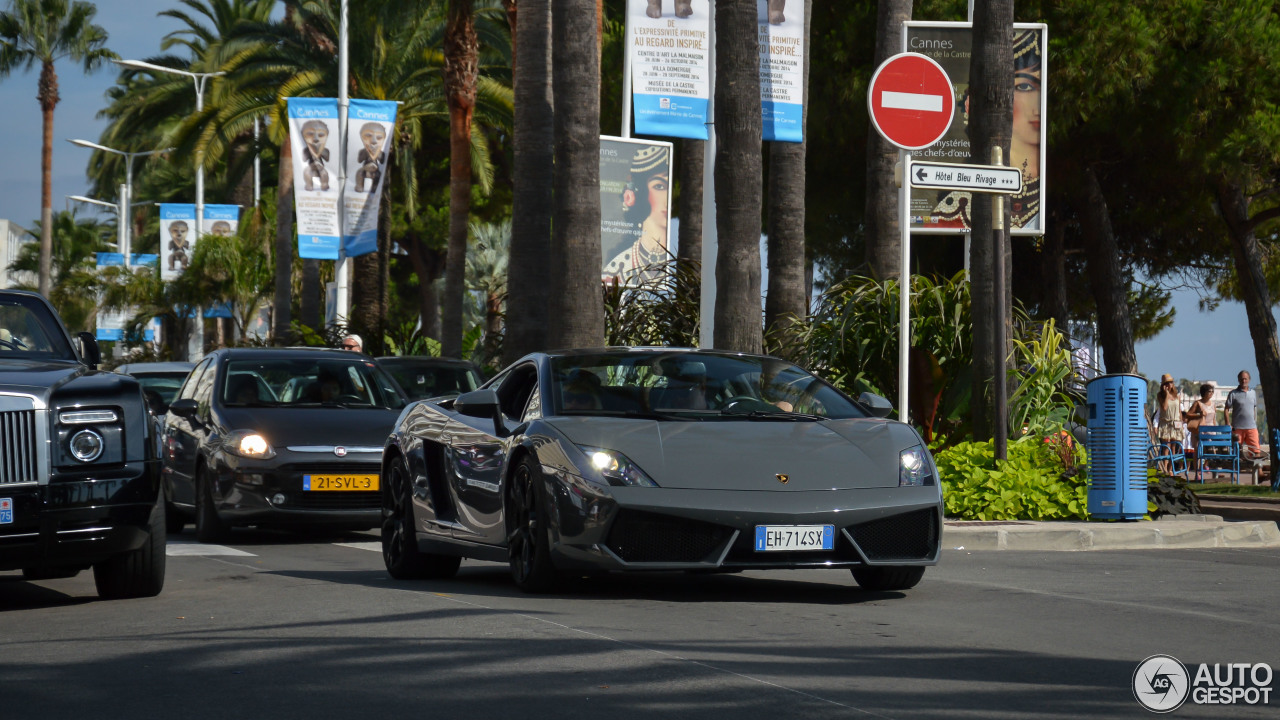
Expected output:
(373, 546)
(910, 101)
(178, 548)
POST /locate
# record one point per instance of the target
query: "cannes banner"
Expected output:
(670, 66)
(177, 238)
(221, 220)
(313, 133)
(369, 131)
(782, 69)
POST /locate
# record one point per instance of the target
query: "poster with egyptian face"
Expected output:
(669, 43)
(942, 211)
(313, 136)
(177, 238)
(370, 127)
(781, 69)
(635, 205)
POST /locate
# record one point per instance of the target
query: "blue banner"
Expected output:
(670, 67)
(782, 90)
(313, 136)
(370, 127)
(177, 238)
(671, 116)
(782, 122)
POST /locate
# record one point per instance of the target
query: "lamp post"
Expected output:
(122, 213)
(198, 79)
(127, 236)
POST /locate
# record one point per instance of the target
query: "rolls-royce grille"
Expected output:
(18, 447)
(909, 536)
(638, 537)
(333, 501)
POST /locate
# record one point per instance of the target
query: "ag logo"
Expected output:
(1161, 683)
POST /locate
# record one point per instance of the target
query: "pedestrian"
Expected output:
(1200, 413)
(1169, 430)
(1242, 414)
(353, 343)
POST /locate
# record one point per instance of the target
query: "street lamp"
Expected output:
(127, 236)
(198, 79)
(121, 209)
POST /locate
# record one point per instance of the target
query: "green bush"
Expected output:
(1041, 480)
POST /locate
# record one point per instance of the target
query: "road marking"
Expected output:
(374, 546)
(910, 101)
(186, 548)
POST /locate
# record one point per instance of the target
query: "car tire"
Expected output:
(174, 519)
(528, 533)
(210, 528)
(400, 551)
(888, 577)
(137, 573)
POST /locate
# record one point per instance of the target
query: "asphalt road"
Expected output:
(286, 626)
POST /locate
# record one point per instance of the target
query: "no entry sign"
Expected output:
(910, 101)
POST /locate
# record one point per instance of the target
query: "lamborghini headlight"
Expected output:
(913, 468)
(250, 444)
(616, 468)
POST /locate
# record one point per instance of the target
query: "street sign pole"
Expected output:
(904, 287)
(1002, 383)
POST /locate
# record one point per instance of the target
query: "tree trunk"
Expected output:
(365, 318)
(461, 68)
(1053, 277)
(48, 98)
(1109, 285)
(577, 300)
(738, 178)
(990, 126)
(786, 300)
(312, 303)
(527, 287)
(1253, 290)
(281, 312)
(883, 242)
(690, 166)
(427, 264)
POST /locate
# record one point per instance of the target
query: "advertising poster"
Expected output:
(635, 204)
(782, 69)
(951, 45)
(177, 238)
(670, 66)
(313, 134)
(113, 324)
(369, 130)
(221, 220)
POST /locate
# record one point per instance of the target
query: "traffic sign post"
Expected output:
(911, 105)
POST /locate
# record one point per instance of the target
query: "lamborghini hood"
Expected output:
(752, 454)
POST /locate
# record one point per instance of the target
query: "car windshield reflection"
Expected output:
(326, 382)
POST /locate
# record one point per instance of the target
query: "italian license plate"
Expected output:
(340, 483)
(795, 537)
(6, 511)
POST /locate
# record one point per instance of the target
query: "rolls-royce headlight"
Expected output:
(616, 468)
(86, 445)
(250, 444)
(913, 468)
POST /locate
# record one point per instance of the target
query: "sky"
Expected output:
(1199, 345)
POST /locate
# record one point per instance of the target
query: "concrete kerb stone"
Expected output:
(1200, 532)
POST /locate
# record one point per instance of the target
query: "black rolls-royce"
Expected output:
(79, 476)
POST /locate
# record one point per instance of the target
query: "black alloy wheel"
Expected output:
(210, 527)
(528, 542)
(881, 578)
(400, 551)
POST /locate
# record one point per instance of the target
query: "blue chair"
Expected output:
(1217, 447)
(1170, 451)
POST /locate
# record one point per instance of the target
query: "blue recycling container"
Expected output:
(1118, 441)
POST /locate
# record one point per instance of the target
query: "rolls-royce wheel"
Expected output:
(528, 542)
(887, 577)
(400, 551)
(137, 573)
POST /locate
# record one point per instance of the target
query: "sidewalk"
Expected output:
(1242, 507)
(1185, 531)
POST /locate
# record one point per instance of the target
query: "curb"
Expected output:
(1242, 507)
(1204, 531)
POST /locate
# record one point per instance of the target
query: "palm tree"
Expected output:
(45, 31)
(883, 238)
(534, 132)
(73, 280)
(487, 263)
(577, 300)
(738, 183)
(461, 50)
(787, 299)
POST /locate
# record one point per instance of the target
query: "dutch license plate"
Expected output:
(795, 537)
(6, 511)
(338, 483)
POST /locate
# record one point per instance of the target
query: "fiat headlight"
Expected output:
(616, 468)
(913, 468)
(250, 444)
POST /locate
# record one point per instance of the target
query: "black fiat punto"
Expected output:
(279, 436)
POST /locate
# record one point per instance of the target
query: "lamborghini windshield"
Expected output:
(686, 385)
